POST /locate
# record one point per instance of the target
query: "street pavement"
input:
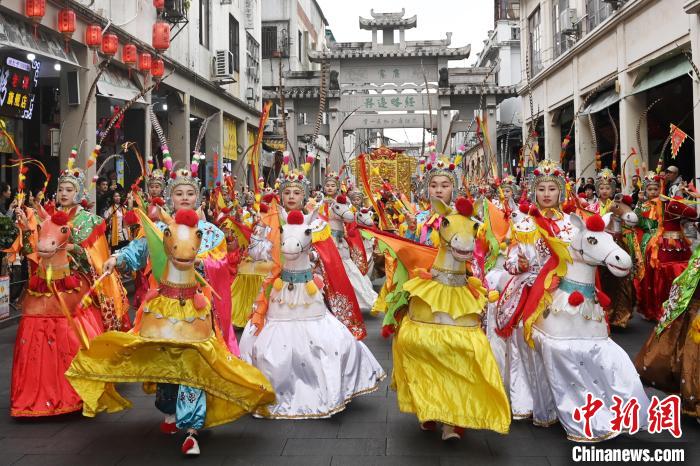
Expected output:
(371, 431)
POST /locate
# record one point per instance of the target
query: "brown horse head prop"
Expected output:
(181, 238)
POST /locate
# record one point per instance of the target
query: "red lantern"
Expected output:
(145, 62)
(35, 10)
(159, 4)
(157, 69)
(129, 55)
(161, 36)
(66, 22)
(110, 44)
(93, 39)
(93, 36)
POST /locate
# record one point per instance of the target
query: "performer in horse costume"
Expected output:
(440, 182)
(621, 290)
(574, 356)
(314, 362)
(650, 214)
(176, 346)
(88, 246)
(341, 219)
(528, 254)
(666, 255)
(440, 339)
(670, 358)
(183, 192)
(605, 184)
(53, 324)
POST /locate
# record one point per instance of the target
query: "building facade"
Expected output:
(212, 71)
(501, 53)
(611, 75)
(291, 30)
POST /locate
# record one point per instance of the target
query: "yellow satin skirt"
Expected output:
(233, 387)
(447, 373)
(246, 288)
(244, 291)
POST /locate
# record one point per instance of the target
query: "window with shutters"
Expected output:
(269, 40)
(234, 43)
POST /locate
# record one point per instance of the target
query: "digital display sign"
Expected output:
(18, 81)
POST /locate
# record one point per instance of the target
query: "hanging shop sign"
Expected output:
(18, 81)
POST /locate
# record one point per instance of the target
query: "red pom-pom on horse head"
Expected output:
(464, 206)
(595, 223)
(60, 218)
(187, 217)
(295, 217)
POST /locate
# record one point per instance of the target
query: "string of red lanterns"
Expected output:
(108, 43)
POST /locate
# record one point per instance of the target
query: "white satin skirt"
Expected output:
(566, 369)
(312, 360)
(366, 296)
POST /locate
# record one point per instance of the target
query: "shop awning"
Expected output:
(18, 34)
(601, 101)
(115, 84)
(662, 73)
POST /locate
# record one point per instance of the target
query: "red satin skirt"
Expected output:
(655, 287)
(44, 348)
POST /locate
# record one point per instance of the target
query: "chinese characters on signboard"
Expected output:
(390, 102)
(18, 80)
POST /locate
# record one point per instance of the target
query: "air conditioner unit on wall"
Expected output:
(568, 20)
(223, 67)
(615, 4)
(175, 8)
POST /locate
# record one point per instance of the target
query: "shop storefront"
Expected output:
(31, 63)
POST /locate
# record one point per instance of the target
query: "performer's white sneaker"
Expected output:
(451, 432)
(190, 446)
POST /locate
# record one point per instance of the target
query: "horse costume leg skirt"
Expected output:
(231, 386)
(45, 346)
(671, 361)
(575, 367)
(520, 372)
(314, 363)
(470, 391)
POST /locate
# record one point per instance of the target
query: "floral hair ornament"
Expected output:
(547, 170)
(651, 179)
(605, 177)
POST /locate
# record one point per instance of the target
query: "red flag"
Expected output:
(677, 139)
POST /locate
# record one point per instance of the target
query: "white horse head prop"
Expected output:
(594, 246)
(297, 236)
(341, 209)
(365, 217)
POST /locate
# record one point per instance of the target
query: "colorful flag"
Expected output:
(677, 139)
